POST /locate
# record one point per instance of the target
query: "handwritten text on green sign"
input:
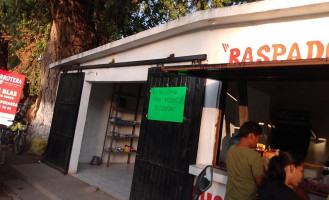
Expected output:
(167, 104)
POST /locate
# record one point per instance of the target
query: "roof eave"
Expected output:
(257, 11)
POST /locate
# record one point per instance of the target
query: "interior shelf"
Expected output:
(124, 112)
(122, 138)
(125, 123)
(124, 152)
(126, 109)
(122, 94)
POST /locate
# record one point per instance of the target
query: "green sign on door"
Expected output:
(167, 104)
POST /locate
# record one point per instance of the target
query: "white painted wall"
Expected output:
(78, 135)
(207, 137)
(96, 121)
(121, 74)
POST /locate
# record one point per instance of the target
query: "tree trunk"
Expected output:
(70, 34)
(4, 40)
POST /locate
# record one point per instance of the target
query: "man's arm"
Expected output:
(258, 170)
(258, 181)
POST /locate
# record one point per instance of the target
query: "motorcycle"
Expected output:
(15, 134)
(203, 182)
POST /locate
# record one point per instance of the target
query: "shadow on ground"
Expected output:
(12, 159)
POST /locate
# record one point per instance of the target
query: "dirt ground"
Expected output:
(12, 159)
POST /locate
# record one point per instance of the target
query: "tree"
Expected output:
(70, 34)
(56, 29)
(76, 27)
(28, 26)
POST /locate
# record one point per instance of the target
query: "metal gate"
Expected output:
(64, 121)
(166, 149)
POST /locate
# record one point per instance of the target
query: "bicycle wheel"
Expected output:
(19, 144)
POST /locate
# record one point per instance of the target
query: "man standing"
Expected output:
(244, 165)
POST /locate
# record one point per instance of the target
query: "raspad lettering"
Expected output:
(315, 49)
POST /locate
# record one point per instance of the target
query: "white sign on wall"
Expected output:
(274, 52)
(293, 40)
(216, 192)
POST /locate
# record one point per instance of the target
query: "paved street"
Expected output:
(12, 158)
(29, 179)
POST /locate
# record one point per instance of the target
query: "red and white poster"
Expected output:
(11, 86)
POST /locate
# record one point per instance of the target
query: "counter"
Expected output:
(218, 189)
(219, 176)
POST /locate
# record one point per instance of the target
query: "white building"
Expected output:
(267, 58)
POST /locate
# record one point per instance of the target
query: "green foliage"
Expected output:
(124, 18)
(116, 19)
(156, 12)
(28, 23)
(237, 2)
(33, 78)
(13, 60)
(41, 41)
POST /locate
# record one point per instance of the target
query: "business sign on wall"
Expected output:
(167, 104)
(215, 192)
(279, 41)
(274, 52)
(11, 86)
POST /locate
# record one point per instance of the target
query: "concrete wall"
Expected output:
(207, 137)
(95, 127)
(121, 74)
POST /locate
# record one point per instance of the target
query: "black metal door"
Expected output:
(64, 121)
(166, 149)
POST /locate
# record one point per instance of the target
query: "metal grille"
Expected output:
(166, 149)
(64, 121)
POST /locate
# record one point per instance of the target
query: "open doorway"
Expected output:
(292, 114)
(112, 123)
(296, 116)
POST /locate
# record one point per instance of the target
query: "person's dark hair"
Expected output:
(278, 163)
(249, 127)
